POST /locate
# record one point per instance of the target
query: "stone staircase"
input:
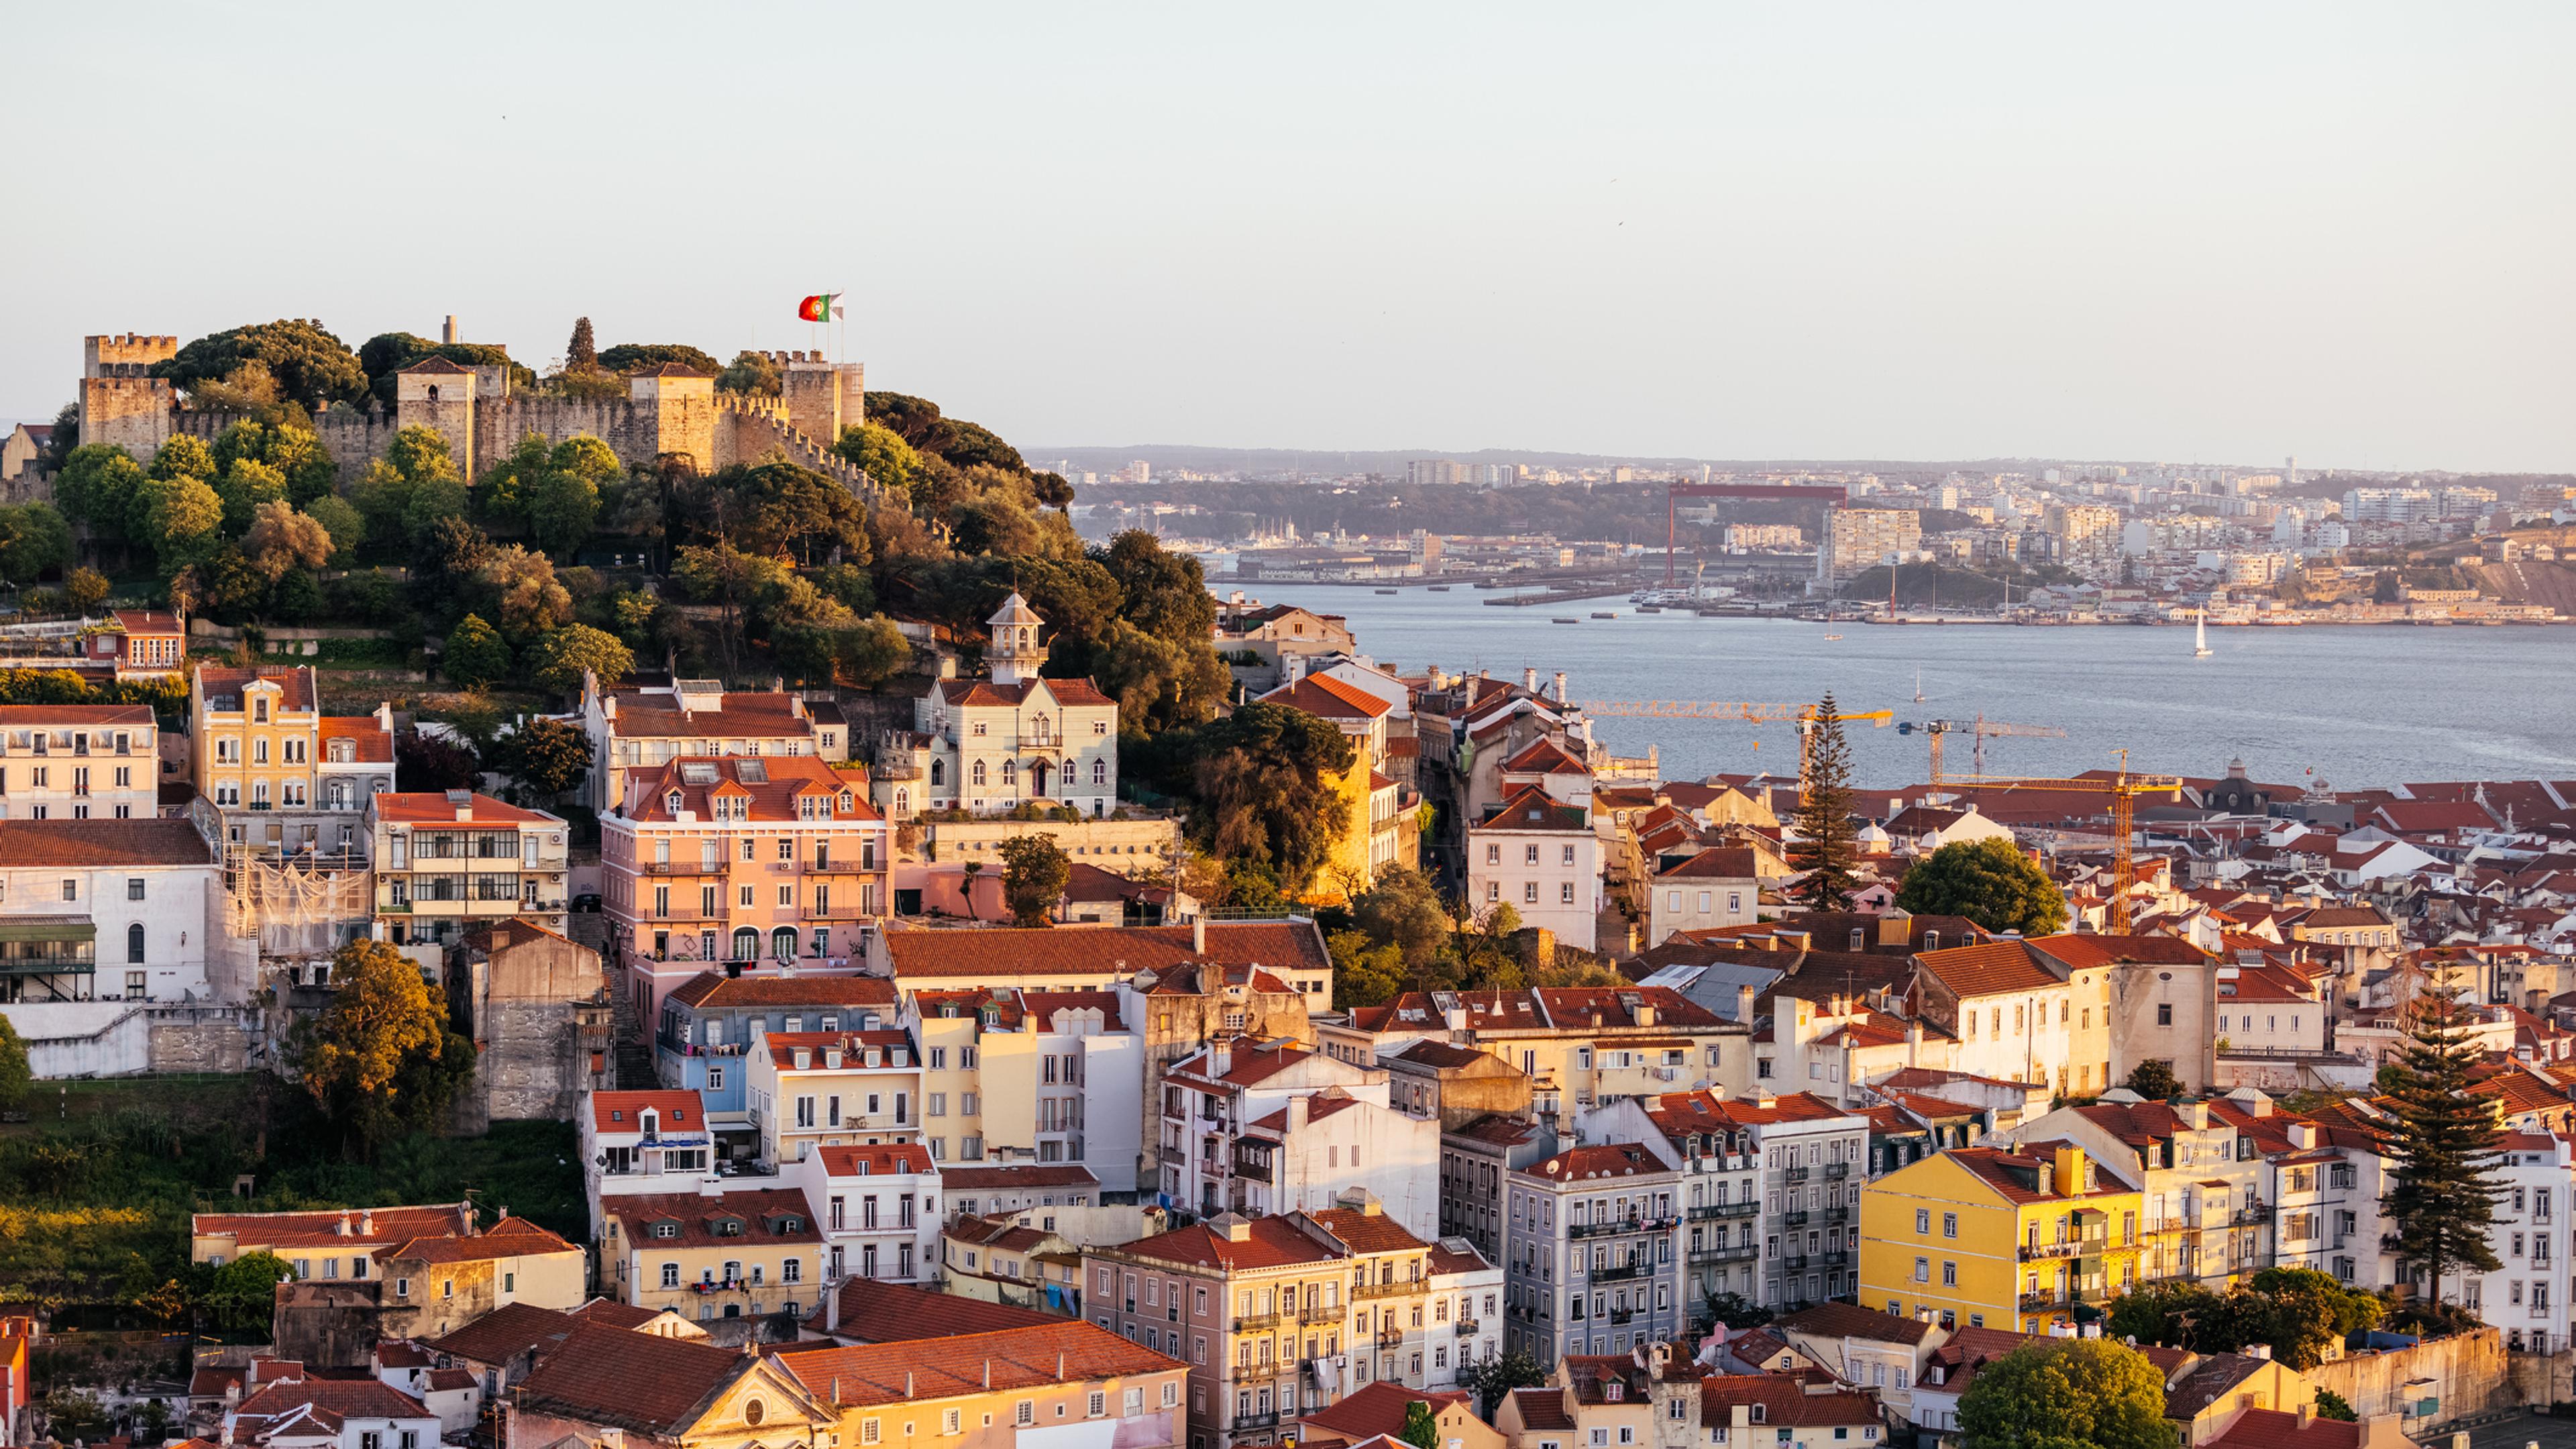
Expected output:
(634, 1057)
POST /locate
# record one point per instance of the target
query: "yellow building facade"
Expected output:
(1983, 1237)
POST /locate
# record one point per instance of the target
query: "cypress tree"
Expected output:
(2445, 1145)
(1827, 847)
(582, 353)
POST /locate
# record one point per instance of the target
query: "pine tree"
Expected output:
(2444, 1145)
(1827, 846)
(581, 354)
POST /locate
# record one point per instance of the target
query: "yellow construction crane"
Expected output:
(1980, 729)
(2123, 789)
(1804, 716)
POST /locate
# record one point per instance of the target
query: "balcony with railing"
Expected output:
(1795, 1174)
(1837, 1171)
(1725, 1252)
(1618, 1226)
(1617, 1271)
(1253, 1322)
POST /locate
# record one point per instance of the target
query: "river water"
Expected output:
(2358, 706)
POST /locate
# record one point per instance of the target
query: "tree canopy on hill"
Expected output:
(634, 356)
(388, 353)
(310, 366)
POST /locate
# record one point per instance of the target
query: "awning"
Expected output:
(48, 930)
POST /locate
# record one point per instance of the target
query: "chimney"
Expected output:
(448, 333)
(367, 1224)
(1221, 1059)
(1529, 678)
(343, 1228)
(1744, 1005)
(2197, 1114)
(1198, 935)
(2070, 1171)
(1560, 687)
(832, 1320)
(1456, 1016)
(2307, 1413)
(1296, 1114)
(1645, 1014)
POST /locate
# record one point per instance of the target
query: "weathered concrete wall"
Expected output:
(537, 1010)
(124, 1039)
(2468, 1373)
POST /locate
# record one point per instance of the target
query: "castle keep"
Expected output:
(669, 409)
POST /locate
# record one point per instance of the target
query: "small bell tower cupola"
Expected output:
(1013, 652)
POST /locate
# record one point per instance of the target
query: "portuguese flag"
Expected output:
(821, 307)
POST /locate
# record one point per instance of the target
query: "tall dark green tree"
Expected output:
(581, 354)
(1827, 847)
(2444, 1146)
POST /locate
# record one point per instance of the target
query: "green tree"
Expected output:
(1421, 1427)
(2309, 1311)
(1034, 872)
(2154, 1080)
(1988, 881)
(97, 487)
(1401, 909)
(545, 755)
(340, 522)
(244, 486)
(475, 653)
(242, 1294)
(2331, 1405)
(562, 655)
(73, 1415)
(522, 592)
(386, 354)
(281, 539)
(582, 353)
(433, 501)
(381, 1059)
(563, 503)
(1365, 972)
(631, 356)
(2444, 1145)
(85, 589)
(311, 367)
(1261, 792)
(752, 372)
(1827, 846)
(15, 1075)
(861, 654)
(33, 538)
(186, 518)
(1496, 1377)
(889, 461)
(2063, 1393)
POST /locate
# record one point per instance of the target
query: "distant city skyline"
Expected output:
(2199, 234)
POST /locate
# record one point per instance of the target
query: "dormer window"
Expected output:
(343, 751)
(666, 1230)
(671, 802)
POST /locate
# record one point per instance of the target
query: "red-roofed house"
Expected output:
(141, 643)
(1055, 1076)
(448, 862)
(319, 1413)
(1703, 889)
(79, 762)
(878, 1206)
(1538, 854)
(1069, 1381)
(758, 863)
(1268, 1126)
(638, 1142)
(991, 745)
(1379, 832)
(634, 729)
(812, 1089)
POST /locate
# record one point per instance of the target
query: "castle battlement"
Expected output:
(127, 354)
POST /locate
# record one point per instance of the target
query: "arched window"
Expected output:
(134, 944)
(746, 944)
(1010, 773)
(939, 772)
(1100, 772)
(902, 800)
(979, 772)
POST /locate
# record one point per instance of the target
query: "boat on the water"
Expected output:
(1562, 620)
(2200, 636)
(1386, 591)
(1650, 608)
(1604, 614)
(1439, 588)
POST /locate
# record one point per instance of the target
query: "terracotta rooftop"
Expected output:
(434, 807)
(873, 1311)
(612, 1112)
(715, 991)
(102, 843)
(1071, 693)
(958, 1364)
(636, 1381)
(1291, 946)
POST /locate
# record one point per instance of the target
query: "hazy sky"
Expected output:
(2221, 232)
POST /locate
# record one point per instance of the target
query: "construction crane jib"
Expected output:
(2123, 789)
(1804, 716)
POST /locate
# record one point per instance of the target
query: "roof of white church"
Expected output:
(1015, 610)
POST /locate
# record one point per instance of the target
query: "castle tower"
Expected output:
(676, 407)
(1014, 653)
(438, 394)
(119, 403)
(813, 389)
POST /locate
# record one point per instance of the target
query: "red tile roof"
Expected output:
(782, 1047)
(215, 682)
(374, 743)
(432, 807)
(714, 991)
(367, 1398)
(508, 1238)
(102, 843)
(1544, 756)
(624, 1111)
(44, 716)
(876, 1160)
(321, 1227)
(2283, 1429)
(1329, 698)
(1071, 693)
(1377, 1409)
(1587, 1164)
(507, 1332)
(1019, 1177)
(1542, 1409)
(1722, 862)
(744, 715)
(971, 1363)
(773, 785)
(639, 1381)
(1043, 951)
(1987, 969)
(872, 1311)
(696, 1216)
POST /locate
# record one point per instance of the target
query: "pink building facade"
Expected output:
(741, 864)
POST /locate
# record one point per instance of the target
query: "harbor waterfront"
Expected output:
(2353, 703)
